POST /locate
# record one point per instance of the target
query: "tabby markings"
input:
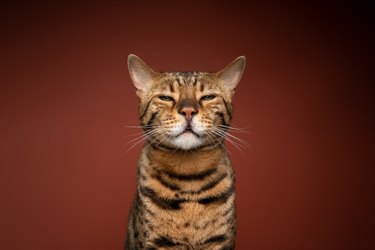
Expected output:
(165, 242)
(145, 111)
(175, 204)
(216, 238)
(171, 87)
(207, 186)
(171, 204)
(153, 116)
(226, 107)
(165, 183)
(191, 177)
(221, 198)
(214, 182)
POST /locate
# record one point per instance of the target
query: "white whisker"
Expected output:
(234, 129)
(241, 141)
(146, 136)
(235, 141)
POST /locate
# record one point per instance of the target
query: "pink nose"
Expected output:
(188, 112)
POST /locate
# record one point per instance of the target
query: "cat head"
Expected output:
(185, 110)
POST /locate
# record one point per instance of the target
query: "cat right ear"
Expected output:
(141, 74)
(231, 74)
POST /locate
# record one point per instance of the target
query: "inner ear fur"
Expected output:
(231, 75)
(141, 74)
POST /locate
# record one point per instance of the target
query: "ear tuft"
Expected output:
(231, 74)
(141, 74)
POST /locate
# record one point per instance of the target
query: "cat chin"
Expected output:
(186, 141)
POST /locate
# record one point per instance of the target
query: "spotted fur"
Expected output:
(185, 187)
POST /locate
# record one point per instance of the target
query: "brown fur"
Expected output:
(185, 190)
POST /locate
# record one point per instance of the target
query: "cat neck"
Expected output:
(186, 162)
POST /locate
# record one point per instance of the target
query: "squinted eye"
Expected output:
(207, 97)
(166, 98)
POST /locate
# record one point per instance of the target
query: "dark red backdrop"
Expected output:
(66, 177)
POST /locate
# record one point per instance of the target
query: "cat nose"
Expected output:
(188, 112)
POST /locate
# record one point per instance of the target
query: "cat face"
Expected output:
(185, 110)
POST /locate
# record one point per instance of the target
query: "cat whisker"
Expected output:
(240, 141)
(165, 137)
(234, 129)
(217, 136)
(136, 134)
(210, 139)
(223, 134)
(143, 139)
(146, 136)
(143, 132)
(213, 139)
(153, 141)
(142, 126)
(227, 139)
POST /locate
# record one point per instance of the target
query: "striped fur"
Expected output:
(185, 187)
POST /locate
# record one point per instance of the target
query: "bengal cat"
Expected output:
(185, 186)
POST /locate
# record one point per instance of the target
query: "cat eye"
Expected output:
(166, 98)
(207, 97)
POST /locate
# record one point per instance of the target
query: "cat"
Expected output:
(185, 183)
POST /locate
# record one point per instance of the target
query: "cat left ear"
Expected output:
(141, 74)
(231, 74)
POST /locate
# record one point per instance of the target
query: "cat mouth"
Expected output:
(189, 130)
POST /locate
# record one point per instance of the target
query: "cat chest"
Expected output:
(195, 222)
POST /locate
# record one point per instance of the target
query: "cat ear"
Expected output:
(231, 74)
(141, 74)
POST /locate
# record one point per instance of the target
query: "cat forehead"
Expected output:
(190, 78)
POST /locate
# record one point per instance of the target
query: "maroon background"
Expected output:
(66, 177)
